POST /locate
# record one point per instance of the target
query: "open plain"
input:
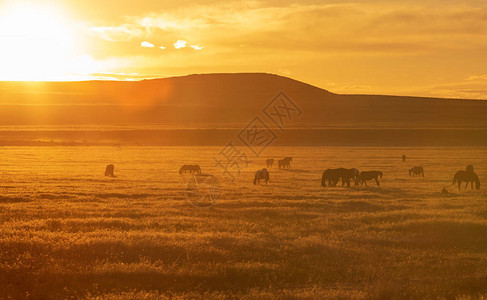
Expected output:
(67, 231)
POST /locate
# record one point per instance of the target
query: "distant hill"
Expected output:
(107, 110)
(219, 99)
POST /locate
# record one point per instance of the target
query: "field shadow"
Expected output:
(122, 196)
(6, 199)
(294, 170)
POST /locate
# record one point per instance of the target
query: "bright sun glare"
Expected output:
(37, 44)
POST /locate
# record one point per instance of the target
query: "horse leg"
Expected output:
(377, 180)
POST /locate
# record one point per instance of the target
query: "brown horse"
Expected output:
(330, 175)
(261, 175)
(109, 170)
(369, 175)
(467, 177)
(416, 171)
(285, 162)
(334, 175)
(190, 169)
(269, 162)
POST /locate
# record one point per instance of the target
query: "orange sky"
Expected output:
(424, 48)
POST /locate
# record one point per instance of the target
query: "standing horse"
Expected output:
(467, 177)
(285, 162)
(330, 175)
(416, 171)
(190, 169)
(334, 175)
(109, 170)
(369, 175)
(261, 175)
(269, 162)
(348, 174)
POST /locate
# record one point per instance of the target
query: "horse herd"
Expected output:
(284, 163)
(333, 176)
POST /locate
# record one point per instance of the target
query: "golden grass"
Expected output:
(68, 231)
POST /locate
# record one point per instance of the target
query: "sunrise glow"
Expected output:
(38, 44)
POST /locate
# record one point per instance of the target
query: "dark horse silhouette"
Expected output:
(285, 162)
(269, 162)
(190, 169)
(416, 171)
(330, 175)
(369, 175)
(334, 175)
(109, 170)
(261, 175)
(467, 177)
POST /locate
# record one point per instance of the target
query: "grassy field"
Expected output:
(68, 231)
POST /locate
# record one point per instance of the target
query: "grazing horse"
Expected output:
(334, 175)
(468, 177)
(190, 169)
(369, 175)
(261, 175)
(416, 171)
(330, 175)
(285, 162)
(109, 170)
(348, 174)
(269, 162)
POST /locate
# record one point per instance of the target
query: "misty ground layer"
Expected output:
(68, 231)
(207, 136)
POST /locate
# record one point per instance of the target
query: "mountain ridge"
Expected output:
(219, 99)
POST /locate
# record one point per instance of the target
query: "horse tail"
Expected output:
(323, 180)
(255, 179)
(454, 179)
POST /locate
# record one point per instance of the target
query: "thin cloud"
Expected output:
(126, 32)
(162, 47)
(180, 44)
(196, 47)
(146, 44)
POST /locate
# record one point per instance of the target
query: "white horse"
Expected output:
(261, 175)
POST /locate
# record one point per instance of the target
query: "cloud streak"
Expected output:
(146, 44)
(180, 44)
